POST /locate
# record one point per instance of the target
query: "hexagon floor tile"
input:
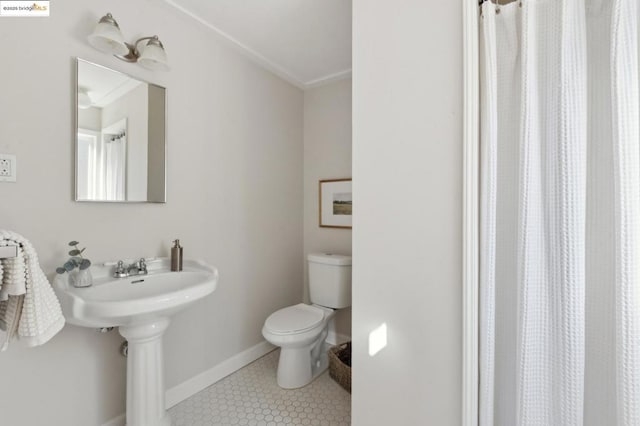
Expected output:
(251, 396)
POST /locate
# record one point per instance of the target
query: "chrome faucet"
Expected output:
(132, 269)
(136, 268)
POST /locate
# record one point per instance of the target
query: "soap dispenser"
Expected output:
(176, 256)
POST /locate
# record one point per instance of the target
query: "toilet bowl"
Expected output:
(300, 331)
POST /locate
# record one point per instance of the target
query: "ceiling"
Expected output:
(306, 42)
(102, 84)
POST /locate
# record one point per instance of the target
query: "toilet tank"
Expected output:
(330, 280)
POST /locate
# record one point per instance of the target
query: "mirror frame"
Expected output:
(75, 137)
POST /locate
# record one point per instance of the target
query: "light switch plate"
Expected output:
(8, 168)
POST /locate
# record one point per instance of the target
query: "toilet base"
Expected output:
(295, 370)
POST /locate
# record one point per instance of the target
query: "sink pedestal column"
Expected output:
(145, 374)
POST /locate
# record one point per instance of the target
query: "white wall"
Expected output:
(327, 155)
(235, 199)
(407, 171)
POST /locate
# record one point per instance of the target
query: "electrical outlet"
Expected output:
(5, 167)
(8, 168)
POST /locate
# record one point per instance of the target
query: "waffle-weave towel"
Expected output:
(30, 309)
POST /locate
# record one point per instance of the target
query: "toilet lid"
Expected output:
(294, 319)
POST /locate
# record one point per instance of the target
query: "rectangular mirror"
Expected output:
(120, 137)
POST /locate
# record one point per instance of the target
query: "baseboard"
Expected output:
(205, 379)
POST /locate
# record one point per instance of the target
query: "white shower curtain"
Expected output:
(115, 157)
(560, 214)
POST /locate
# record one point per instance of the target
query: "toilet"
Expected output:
(300, 330)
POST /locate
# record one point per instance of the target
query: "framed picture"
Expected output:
(335, 203)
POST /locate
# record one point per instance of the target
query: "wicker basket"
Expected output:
(340, 365)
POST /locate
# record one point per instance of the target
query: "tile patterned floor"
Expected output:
(251, 396)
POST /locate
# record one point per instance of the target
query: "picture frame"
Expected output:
(335, 203)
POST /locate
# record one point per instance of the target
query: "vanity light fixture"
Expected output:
(107, 38)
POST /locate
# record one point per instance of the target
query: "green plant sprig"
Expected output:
(75, 261)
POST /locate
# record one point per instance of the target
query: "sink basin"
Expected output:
(135, 299)
(141, 306)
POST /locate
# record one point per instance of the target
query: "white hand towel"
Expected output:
(35, 315)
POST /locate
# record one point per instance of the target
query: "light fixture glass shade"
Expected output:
(153, 56)
(107, 37)
(84, 101)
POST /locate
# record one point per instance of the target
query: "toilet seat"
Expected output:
(294, 319)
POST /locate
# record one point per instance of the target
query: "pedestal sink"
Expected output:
(141, 306)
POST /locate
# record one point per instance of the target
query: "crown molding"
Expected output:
(260, 59)
(341, 75)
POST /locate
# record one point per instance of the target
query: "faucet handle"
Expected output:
(120, 270)
(142, 266)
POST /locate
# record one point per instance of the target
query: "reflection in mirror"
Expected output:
(120, 140)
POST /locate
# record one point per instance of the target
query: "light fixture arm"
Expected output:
(134, 52)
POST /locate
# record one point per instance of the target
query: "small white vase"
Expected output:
(80, 277)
